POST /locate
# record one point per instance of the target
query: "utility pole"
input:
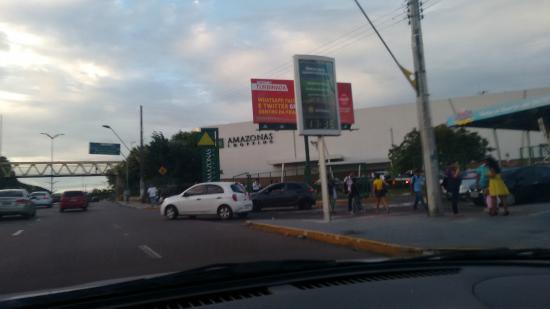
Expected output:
(307, 166)
(141, 163)
(429, 150)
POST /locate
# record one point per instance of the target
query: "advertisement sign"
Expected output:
(273, 105)
(316, 95)
(104, 149)
(210, 154)
(273, 101)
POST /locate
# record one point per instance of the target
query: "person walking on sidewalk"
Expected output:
(451, 183)
(356, 194)
(417, 184)
(482, 183)
(497, 187)
(380, 190)
(348, 184)
(332, 194)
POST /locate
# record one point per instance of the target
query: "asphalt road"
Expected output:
(111, 241)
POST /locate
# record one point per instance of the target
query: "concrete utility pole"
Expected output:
(141, 163)
(429, 150)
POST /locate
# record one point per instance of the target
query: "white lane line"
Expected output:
(150, 252)
(17, 233)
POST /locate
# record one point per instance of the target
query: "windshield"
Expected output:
(181, 134)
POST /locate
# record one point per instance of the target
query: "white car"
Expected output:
(41, 198)
(224, 199)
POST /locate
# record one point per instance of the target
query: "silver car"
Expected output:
(16, 202)
(41, 198)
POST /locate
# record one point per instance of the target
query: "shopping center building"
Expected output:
(266, 154)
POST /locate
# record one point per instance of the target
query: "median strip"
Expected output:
(373, 246)
(150, 252)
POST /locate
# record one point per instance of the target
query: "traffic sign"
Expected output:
(104, 149)
(162, 170)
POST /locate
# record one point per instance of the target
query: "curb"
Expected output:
(373, 246)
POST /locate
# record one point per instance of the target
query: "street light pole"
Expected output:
(125, 157)
(51, 137)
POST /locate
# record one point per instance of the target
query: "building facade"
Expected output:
(246, 150)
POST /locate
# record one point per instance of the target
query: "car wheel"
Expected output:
(171, 212)
(61, 209)
(85, 208)
(256, 207)
(225, 212)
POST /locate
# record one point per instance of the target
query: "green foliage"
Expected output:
(11, 182)
(453, 145)
(179, 155)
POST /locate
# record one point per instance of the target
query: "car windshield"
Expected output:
(179, 134)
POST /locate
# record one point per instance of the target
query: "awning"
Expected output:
(513, 115)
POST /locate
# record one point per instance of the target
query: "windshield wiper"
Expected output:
(487, 254)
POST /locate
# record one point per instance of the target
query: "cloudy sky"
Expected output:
(70, 66)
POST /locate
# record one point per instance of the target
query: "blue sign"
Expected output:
(105, 149)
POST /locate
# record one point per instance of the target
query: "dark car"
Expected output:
(284, 194)
(73, 200)
(528, 184)
(56, 197)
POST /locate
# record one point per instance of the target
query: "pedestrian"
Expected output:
(256, 186)
(332, 194)
(417, 185)
(152, 193)
(451, 183)
(482, 182)
(497, 188)
(348, 184)
(380, 190)
(356, 196)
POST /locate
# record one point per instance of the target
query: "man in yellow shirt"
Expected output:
(380, 190)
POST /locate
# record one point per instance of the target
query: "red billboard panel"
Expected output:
(345, 101)
(273, 102)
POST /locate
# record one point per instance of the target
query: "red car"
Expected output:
(73, 200)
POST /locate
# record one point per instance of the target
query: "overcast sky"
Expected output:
(70, 66)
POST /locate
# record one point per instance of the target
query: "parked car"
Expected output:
(56, 197)
(41, 198)
(16, 202)
(284, 194)
(224, 199)
(73, 200)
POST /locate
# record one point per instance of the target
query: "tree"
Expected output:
(453, 145)
(179, 155)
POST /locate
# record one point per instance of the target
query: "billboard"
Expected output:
(210, 154)
(274, 109)
(104, 149)
(316, 95)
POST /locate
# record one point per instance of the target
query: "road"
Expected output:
(112, 241)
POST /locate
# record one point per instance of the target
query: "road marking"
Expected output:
(150, 252)
(17, 233)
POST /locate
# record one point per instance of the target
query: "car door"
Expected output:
(213, 198)
(189, 200)
(273, 196)
(292, 194)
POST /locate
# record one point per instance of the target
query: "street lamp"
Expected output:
(125, 157)
(51, 137)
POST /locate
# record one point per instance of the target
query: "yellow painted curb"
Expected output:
(374, 246)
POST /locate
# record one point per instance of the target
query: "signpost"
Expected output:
(317, 108)
(210, 154)
(104, 149)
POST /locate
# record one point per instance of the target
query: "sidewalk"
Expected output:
(411, 232)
